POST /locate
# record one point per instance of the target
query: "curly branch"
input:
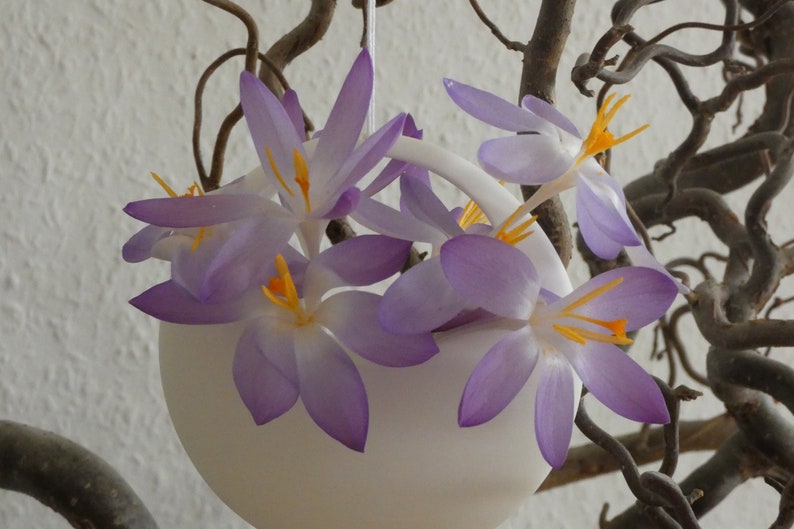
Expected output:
(69, 479)
(588, 461)
(542, 56)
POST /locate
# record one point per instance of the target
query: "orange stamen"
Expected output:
(471, 215)
(302, 177)
(600, 139)
(169, 191)
(276, 171)
(617, 328)
(517, 234)
(281, 292)
(198, 238)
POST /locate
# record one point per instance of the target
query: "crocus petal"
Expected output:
(265, 389)
(269, 124)
(602, 217)
(422, 203)
(293, 109)
(352, 317)
(169, 302)
(239, 262)
(139, 247)
(641, 256)
(365, 259)
(189, 263)
(619, 383)
(395, 168)
(361, 160)
(331, 387)
(554, 409)
(525, 159)
(388, 221)
(641, 298)
(345, 121)
(547, 112)
(490, 108)
(498, 377)
(389, 174)
(420, 300)
(193, 212)
(492, 274)
(347, 202)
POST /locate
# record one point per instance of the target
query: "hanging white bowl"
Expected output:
(419, 469)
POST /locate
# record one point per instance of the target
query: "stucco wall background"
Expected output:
(94, 94)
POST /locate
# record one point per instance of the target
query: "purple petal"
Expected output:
(491, 109)
(602, 217)
(547, 112)
(388, 221)
(265, 389)
(293, 109)
(525, 159)
(331, 388)
(492, 274)
(270, 125)
(422, 203)
(641, 298)
(193, 212)
(346, 119)
(498, 377)
(347, 202)
(620, 383)
(365, 156)
(365, 259)
(389, 173)
(642, 257)
(352, 317)
(420, 300)
(395, 167)
(189, 265)
(239, 262)
(139, 247)
(169, 302)
(554, 409)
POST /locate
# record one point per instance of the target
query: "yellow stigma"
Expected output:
(600, 139)
(471, 215)
(616, 328)
(281, 292)
(518, 233)
(276, 171)
(302, 177)
(192, 191)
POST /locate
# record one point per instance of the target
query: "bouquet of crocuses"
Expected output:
(253, 251)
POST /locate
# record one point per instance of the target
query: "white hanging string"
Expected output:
(371, 47)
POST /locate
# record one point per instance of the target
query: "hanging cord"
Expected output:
(370, 43)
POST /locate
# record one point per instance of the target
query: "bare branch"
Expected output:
(69, 479)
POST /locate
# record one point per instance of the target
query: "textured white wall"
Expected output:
(94, 94)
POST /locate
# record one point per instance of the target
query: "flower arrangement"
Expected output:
(252, 251)
(426, 372)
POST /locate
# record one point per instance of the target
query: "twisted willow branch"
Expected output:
(69, 479)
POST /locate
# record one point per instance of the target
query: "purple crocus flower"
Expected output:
(311, 189)
(556, 337)
(552, 153)
(297, 337)
(422, 299)
(323, 186)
